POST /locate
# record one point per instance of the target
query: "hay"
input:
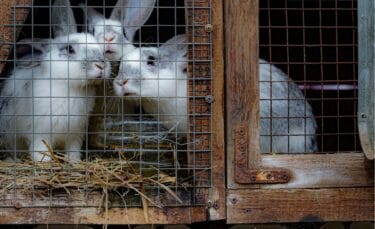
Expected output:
(99, 174)
(116, 161)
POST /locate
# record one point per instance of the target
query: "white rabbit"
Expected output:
(158, 76)
(116, 35)
(126, 18)
(50, 99)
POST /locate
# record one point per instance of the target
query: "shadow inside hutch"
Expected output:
(315, 44)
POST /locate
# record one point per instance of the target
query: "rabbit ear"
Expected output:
(134, 14)
(63, 22)
(93, 16)
(118, 10)
(176, 49)
(30, 52)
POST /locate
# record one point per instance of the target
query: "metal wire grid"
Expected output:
(188, 159)
(315, 44)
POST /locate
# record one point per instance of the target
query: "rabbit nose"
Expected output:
(109, 39)
(123, 82)
(100, 66)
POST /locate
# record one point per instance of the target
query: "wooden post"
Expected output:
(10, 20)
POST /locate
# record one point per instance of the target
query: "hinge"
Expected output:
(258, 175)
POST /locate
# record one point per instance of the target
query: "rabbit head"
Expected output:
(76, 56)
(29, 52)
(151, 72)
(127, 17)
(73, 55)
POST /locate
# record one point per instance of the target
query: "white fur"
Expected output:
(126, 18)
(163, 91)
(51, 101)
(164, 94)
(163, 87)
(110, 29)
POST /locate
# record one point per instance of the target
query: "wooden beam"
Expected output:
(242, 91)
(217, 209)
(319, 170)
(90, 215)
(10, 19)
(300, 205)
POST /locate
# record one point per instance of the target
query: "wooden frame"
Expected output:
(316, 186)
(366, 79)
(13, 212)
(7, 32)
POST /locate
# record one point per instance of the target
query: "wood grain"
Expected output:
(300, 205)
(319, 171)
(10, 19)
(90, 215)
(217, 210)
(79, 206)
(241, 61)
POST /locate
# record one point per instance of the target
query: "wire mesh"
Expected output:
(148, 118)
(315, 44)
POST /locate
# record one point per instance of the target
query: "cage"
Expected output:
(118, 157)
(307, 69)
(266, 116)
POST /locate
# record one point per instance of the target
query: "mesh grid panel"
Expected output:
(143, 119)
(315, 44)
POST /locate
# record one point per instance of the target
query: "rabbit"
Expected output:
(293, 124)
(50, 99)
(158, 77)
(126, 18)
(116, 35)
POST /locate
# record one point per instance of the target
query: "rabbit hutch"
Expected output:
(182, 111)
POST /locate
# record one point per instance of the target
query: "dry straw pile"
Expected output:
(99, 174)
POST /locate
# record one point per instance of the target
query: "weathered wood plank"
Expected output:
(298, 205)
(217, 194)
(241, 61)
(90, 215)
(78, 206)
(320, 170)
(10, 19)
(323, 170)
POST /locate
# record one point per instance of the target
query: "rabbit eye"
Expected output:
(151, 60)
(69, 49)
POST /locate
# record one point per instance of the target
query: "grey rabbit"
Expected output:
(158, 76)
